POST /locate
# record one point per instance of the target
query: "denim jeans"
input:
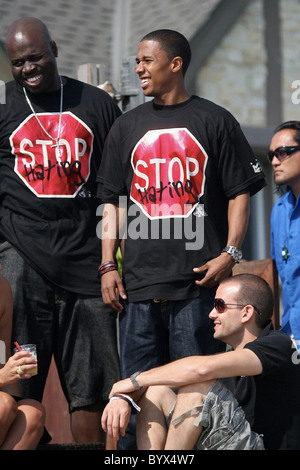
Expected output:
(153, 333)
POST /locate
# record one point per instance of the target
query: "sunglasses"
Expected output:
(220, 306)
(281, 153)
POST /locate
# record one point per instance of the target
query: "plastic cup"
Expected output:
(31, 348)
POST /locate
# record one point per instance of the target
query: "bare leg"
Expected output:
(22, 423)
(184, 435)
(27, 427)
(8, 413)
(155, 405)
(86, 425)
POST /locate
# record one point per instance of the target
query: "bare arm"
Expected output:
(189, 370)
(196, 369)
(111, 284)
(219, 268)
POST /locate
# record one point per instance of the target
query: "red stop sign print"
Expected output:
(48, 170)
(169, 173)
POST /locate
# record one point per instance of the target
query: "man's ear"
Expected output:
(248, 312)
(177, 63)
(54, 48)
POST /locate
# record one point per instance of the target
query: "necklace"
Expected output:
(56, 140)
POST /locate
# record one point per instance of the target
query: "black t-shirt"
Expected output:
(271, 400)
(48, 198)
(178, 166)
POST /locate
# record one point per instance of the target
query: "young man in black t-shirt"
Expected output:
(245, 398)
(186, 173)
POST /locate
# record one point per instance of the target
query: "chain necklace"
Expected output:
(56, 140)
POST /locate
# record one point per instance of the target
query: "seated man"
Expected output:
(21, 420)
(245, 398)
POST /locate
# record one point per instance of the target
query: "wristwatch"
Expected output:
(134, 381)
(233, 251)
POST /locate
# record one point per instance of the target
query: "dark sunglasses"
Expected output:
(220, 306)
(281, 153)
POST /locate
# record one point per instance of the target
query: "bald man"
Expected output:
(53, 130)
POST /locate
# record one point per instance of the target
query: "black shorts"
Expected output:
(79, 330)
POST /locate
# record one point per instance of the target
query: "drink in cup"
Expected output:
(31, 348)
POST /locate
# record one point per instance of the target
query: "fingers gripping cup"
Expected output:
(32, 349)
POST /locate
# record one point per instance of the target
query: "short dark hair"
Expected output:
(255, 291)
(173, 43)
(293, 126)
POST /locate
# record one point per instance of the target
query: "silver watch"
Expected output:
(233, 251)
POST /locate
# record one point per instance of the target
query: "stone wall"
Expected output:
(290, 52)
(235, 74)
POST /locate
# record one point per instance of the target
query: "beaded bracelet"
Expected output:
(107, 267)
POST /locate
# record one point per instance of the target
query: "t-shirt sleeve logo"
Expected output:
(46, 169)
(169, 173)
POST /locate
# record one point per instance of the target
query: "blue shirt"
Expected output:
(285, 250)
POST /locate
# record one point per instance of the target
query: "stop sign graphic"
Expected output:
(47, 169)
(169, 173)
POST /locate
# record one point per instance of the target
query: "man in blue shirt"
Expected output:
(284, 155)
